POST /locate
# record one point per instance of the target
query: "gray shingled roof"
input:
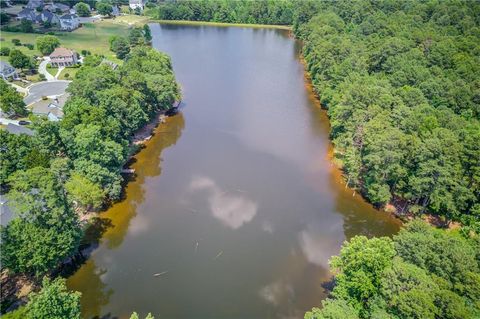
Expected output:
(18, 129)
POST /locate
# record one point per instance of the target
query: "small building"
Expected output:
(63, 57)
(51, 108)
(7, 71)
(69, 22)
(134, 4)
(18, 129)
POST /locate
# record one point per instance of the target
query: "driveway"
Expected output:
(42, 69)
(38, 90)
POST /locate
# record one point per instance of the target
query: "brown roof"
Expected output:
(61, 52)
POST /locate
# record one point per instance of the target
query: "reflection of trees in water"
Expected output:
(147, 164)
(112, 225)
(88, 280)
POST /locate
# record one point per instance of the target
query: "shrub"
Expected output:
(4, 51)
(16, 42)
(67, 75)
(42, 78)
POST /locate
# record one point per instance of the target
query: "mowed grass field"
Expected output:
(91, 36)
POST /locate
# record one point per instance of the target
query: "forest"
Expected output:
(400, 82)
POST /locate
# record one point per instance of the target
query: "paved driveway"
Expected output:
(42, 69)
(36, 91)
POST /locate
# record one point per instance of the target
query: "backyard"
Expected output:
(91, 36)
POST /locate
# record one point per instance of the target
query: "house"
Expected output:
(33, 4)
(63, 57)
(18, 129)
(51, 108)
(27, 14)
(115, 11)
(57, 7)
(137, 4)
(69, 22)
(7, 71)
(47, 17)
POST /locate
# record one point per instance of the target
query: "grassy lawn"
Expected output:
(71, 73)
(91, 36)
(52, 70)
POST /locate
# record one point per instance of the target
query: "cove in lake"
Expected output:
(235, 201)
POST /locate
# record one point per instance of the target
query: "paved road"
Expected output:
(37, 90)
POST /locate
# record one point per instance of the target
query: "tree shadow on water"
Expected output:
(93, 233)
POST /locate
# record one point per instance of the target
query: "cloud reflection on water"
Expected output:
(318, 244)
(232, 210)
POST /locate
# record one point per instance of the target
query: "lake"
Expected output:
(236, 206)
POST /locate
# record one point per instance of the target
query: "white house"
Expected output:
(69, 22)
(137, 4)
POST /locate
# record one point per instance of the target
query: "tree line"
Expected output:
(74, 165)
(261, 12)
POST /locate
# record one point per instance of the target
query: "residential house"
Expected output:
(63, 57)
(51, 108)
(33, 4)
(7, 71)
(57, 7)
(69, 22)
(137, 4)
(27, 14)
(115, 11)
(47, 17)
(18, 129)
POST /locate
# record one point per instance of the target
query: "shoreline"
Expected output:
(20, 285)
(222, 24)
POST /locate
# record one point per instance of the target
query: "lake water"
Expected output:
(236, 206)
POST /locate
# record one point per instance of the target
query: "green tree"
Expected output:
(47, 43)
(147, 33)
(4, 18)
(19, 60)
(11, 102)
(46, 230)
(333, 309)
(120, 46)
(26, 26)
(85, 193)
(360, 266)
(83, 10)
(104, 8)
(54, 301)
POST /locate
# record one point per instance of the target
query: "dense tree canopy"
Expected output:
(400, 81)
(422, 273)
(53, 301)
(45, 231)
(263, 12)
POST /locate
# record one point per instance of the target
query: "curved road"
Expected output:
(36, 91)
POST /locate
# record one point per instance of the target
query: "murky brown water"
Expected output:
(235, 199)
